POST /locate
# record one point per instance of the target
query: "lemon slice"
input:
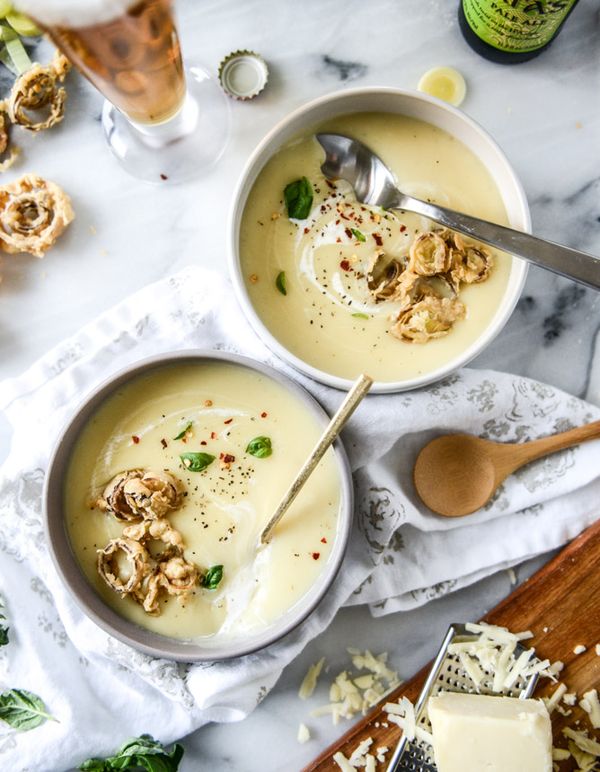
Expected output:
(22, 24)
(444, 83)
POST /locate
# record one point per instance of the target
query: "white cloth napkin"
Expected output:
(400, 556)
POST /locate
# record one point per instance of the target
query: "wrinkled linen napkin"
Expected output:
(399, 556)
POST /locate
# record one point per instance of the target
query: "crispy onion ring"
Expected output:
(383, 275)
(33, 214)
(37, 89)
(472, 265)
(429, 255)
(429, 318)
(137, 558)
(173, 575)
(159, 529)
(139, 494)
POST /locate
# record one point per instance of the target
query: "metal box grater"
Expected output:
(447, 674)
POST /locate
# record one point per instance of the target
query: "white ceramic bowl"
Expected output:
(91, 603)
(415, 105)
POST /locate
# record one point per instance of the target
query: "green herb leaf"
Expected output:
(139, 753)
(22, 710)
(212, 578)
(3, 630)
(280, 283)
(196, 462)
(358, 235)
(298, 197)
(184, 431)
(260, 447)
(358, 315)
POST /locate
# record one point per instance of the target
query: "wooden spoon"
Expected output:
(456, 474)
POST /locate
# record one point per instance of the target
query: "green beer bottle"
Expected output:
(512, 31)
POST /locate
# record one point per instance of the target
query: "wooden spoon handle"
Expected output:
(517, 455)
(345, 410)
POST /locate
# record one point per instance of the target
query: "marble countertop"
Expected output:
(546, 116)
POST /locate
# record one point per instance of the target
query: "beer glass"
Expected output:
(163, 121)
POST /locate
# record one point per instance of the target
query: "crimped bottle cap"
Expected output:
(243, 74)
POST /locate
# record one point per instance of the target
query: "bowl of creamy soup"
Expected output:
(337, 288)
(157, 493)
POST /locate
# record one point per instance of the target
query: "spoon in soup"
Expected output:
(374, 185)
(456, 474)
(360, 388)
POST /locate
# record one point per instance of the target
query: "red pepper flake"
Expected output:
(263, 414)
(323, 540)
(203, 442)
(227, 458)
(307, 230)
(331, 185)
(316, 555)
(402, 228)
(164, 177)
(163, 442)
(228, 421)
(378, 239)
(343, 216)
(135, 439)
(345, 265)
(348, 232)
(213, 435)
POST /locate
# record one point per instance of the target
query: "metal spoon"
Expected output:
(374, 184)
(456, 474)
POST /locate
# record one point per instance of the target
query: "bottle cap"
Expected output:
(243, 75)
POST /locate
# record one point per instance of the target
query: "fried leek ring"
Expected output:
(33, 214)
(429, 318)
(38, 89)
(137, 559)
(429, 255)
(139, 494)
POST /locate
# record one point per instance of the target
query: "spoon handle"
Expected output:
(572, 263)
(345, 410)
(530, 451)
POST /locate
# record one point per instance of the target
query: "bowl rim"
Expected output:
(509, 300)
(71, 574)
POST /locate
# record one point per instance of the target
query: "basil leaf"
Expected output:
(260, 447)
(298, 197)
(196, 462)
(358, 235)
(280, 283)
(3, 630)
(212, 578)
(139, 753)
(22, 710)
(184, 431)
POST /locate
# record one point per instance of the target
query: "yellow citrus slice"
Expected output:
(22, 24)
(444, 83)
(5, 7)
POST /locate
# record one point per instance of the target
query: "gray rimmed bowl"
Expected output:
(67, 565)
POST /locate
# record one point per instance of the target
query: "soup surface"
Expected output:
(327, 317)
(224, 507)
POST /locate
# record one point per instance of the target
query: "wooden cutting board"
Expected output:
(562, 598)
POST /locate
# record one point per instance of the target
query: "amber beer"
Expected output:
(133, 59)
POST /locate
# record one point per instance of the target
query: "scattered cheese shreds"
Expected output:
(381, 753)
(560, 754)
(309, 683)
(579, 649)
(303, 733)
(360, 757)
(591, 705)
(342, 762)
(557, 695)
(597, 649)
(582, 741)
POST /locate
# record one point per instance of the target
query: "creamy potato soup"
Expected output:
(171, 482)
(338, 285)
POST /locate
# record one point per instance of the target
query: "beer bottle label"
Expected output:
(516, 26)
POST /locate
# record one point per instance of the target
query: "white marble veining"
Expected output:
(546, 116)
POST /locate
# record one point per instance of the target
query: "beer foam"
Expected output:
(73, 13)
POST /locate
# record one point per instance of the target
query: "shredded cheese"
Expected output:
(309, 682)
(579, 649)
(557, 695)
(591, 705)
(303, 733)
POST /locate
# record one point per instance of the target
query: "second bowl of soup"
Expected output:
(337, 288)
